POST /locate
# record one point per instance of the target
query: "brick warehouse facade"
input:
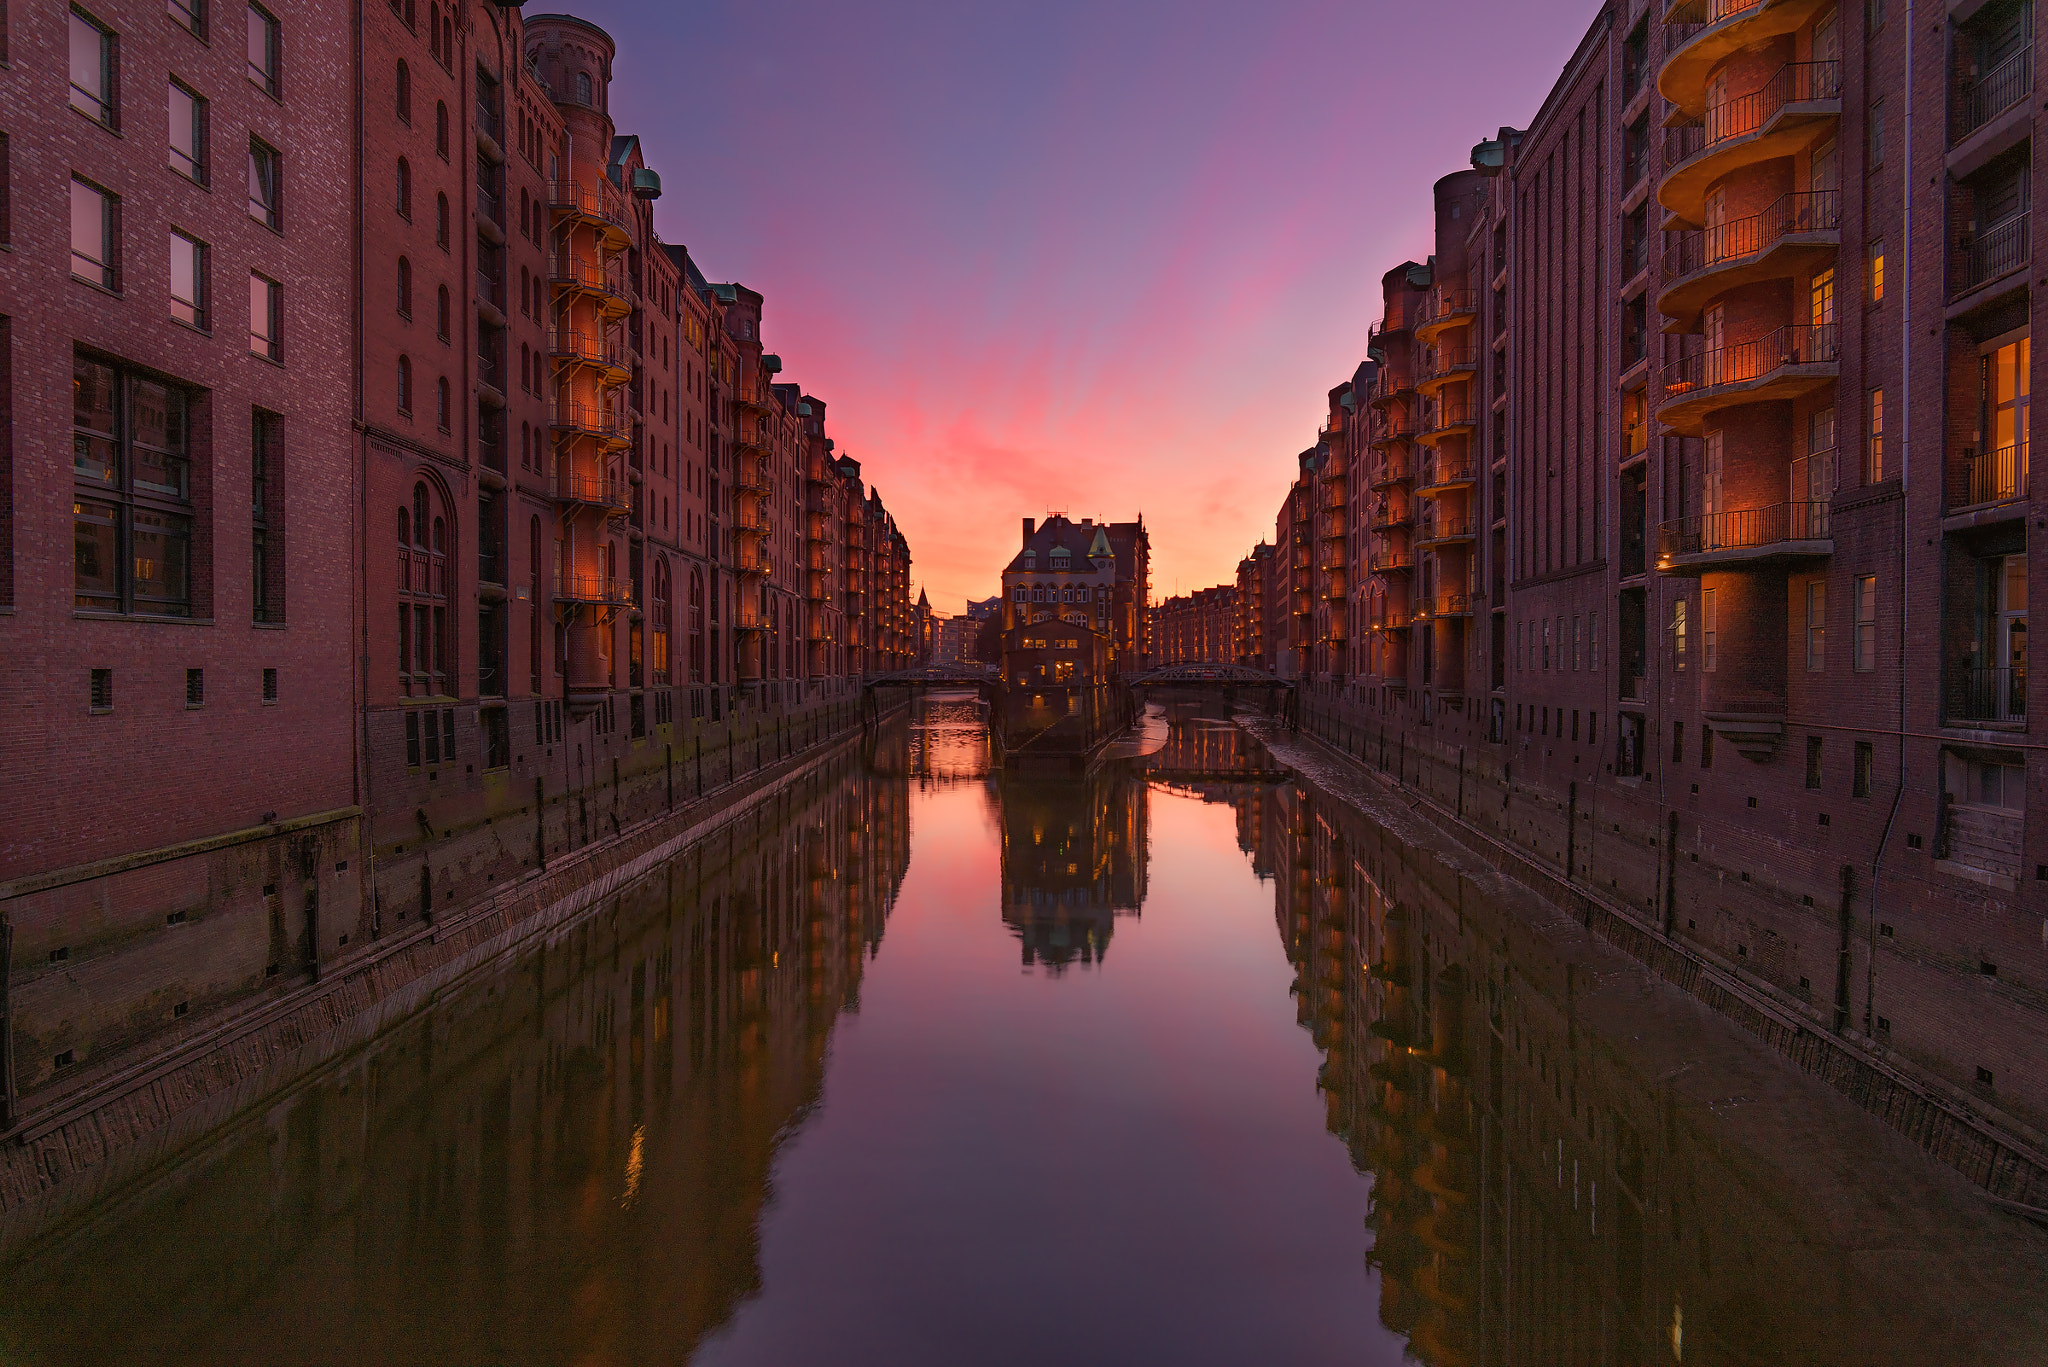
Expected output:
(534, 525)
(1679, 521)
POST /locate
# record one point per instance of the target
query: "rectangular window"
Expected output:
(1866, 623)
(266, 515)
(1706, 747)
(1678, 634)
(1813, 753)
(95, 246)
(270, 685)
(263, 51)
(195, 688)
(412, 740)
(102, 698)
(92, 70)
(1546, 643)
(1877, 271)
(1678, 742)
(187, 113)
(266, 171)
(188, 280)
(1816, 626)
(132, 504)
(1873, 451)
(188, 14)
(1575, 642)
(1593, 643)
(1866, 767)
(266, 317)
(1710, 629)
(1876, 157)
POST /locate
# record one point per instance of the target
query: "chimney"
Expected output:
(1030, 526)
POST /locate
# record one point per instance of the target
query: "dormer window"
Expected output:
(1031, 560)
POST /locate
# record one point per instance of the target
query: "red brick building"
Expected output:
(1197, 627)
(495, 518)
(1695, 518)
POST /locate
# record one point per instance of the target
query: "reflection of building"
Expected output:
(1074, 859)
(635, 1071)
(1556, 1176)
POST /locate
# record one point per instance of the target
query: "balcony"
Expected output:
(1391, 383)
(1445, 605)
(1391, 428)
(1392, 471)
(1786, 241)
(1991, 254)
(1332, 526)
(1444, 365)
(1982, 481)
(606, 491)
(752, 524)
(1782, 364)
(598, 208)
(1444, 531)
(594, 590)
(1389, 514)
(1443, 309)
(1393, 560)
(754, 399)
(1711, 31)
(1980, 99)
(755, 560)
(1446, 473)
(1772, 122)
(575, 347)
(1750, 537)
(1972, 695)
(587, 275)
(1445, 418)
(603, 421)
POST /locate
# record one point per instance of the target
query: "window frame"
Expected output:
(273, 348)
(129, 499)
(107, 99)
(1816, 626)
(108, 263)
(1864, 646)
(266, 517)
(189, 15)
(200, 162)
(268, 78)
(201, 306)
(266, 172)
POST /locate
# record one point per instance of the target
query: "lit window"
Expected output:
(1877, 271)
(1873, 463)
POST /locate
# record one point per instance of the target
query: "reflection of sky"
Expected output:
(1100, 257)
(1126, 1166)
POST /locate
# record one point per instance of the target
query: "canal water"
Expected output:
(1184, 1061)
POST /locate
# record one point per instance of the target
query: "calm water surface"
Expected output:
(926, 1064)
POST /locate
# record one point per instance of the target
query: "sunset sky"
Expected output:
(1106, 257)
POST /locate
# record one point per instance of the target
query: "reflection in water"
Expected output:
(712, 1121)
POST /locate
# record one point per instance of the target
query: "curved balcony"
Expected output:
(1782, 364)
(574, 347)
(1444, 531)
(608, 424)
(1391, 429)
(1445, 418)
(1391, 383)
(586, 275)
(598, 208)
(1443, 309)
(1785, 241)
(1392, 471)
(1392, 325)
(1445, 474)
(1748, 537)
(1724, 28)
(605, 491)
(1445, 365)
(1772, 122)
(594, 590)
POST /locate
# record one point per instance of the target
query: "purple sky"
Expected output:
(1103, 258)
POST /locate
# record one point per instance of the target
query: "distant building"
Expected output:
(1093, 573)
(1199, 627)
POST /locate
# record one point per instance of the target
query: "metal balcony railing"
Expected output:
(1808, 211)
(599, 589)
(1444, 529)
(1442, 303)
(1980, 99)
(1992, 477)
(589, 418)
(581, 272)
(597, 490)
(490, 122)
(1998, 250)
(1977, 694)
(1441, 361)
(1696, 12)
(594, 347)
(1388, 515)
(423, 573)
(569, 197)
(490, 288)
(1442, 417)
(1447, 470)
(1746, 529)
(1742, 362)
(1792, 83)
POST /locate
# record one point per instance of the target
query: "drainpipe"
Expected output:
(1905, 524)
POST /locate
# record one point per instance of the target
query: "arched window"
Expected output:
(441, 415)
(584, 93)
(441, 128)
(405, 287)
(448, 39)
(405, 385)
(696, 625)
(663, 619)
(440, 221)
(524, 222)
(442, 318)
(404, 92)
(434, 30)
(404, 188)
(423, 664)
